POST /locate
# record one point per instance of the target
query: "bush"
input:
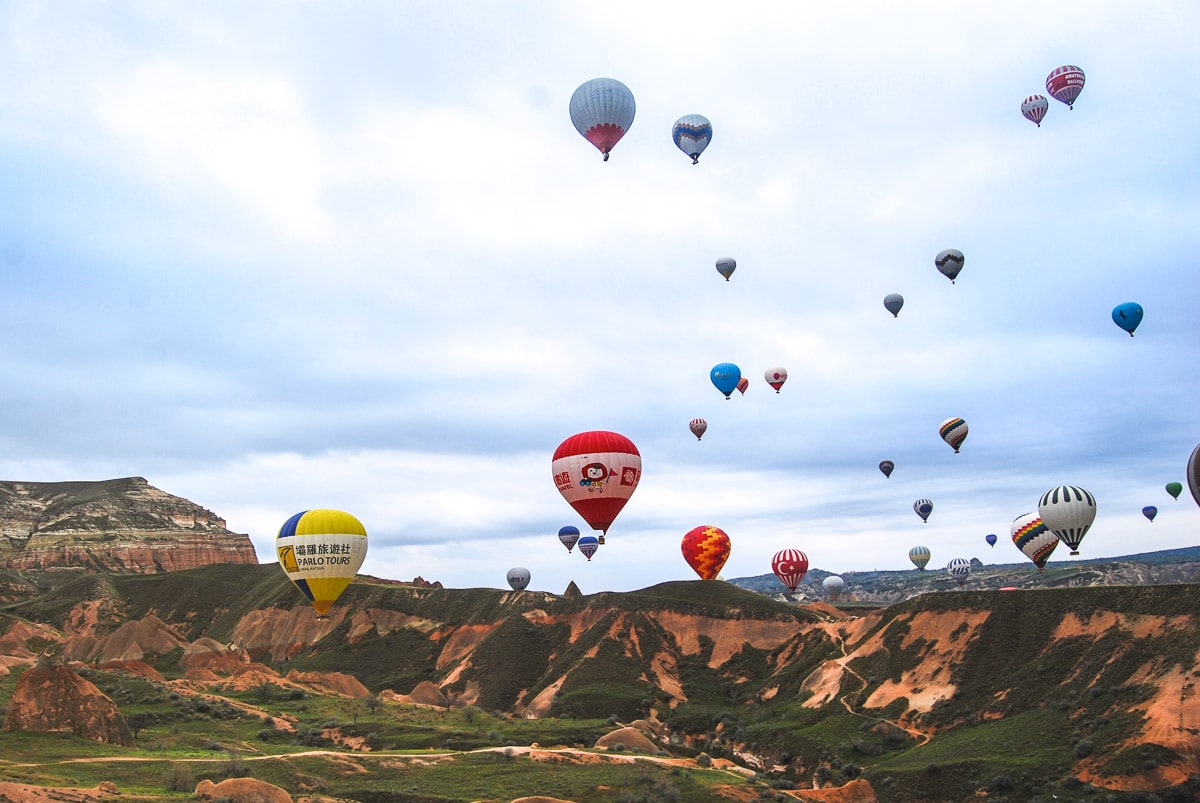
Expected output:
(179, 778)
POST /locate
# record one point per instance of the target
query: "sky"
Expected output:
(291, 255)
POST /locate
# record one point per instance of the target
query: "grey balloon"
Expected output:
(518, 578)
(950, 262)
(893, 302)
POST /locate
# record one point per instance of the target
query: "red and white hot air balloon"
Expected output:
(597, 472)
(1065, 83)
(775, 377)
(790, 566)
(602, 110)
(1034, 108)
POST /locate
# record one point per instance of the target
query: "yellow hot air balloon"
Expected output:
(321, 551)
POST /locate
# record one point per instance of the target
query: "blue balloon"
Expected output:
(725, 376)
(588, 544)
(1127, 316)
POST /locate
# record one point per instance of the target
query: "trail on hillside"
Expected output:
(844, 662)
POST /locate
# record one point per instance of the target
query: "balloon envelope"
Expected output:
(990, 538)
(705, 548)
(597, 472)
(954, 432)
(1033, 538)
(1065, 83)
(1128, 316)
(1150, 511)
(775, 377)
(725, 376)
(321, 551)
(892, 302)
(949, 263)
(726, 266)
(1068, 511)
(790, 566)
(959, 569)
(919, 555)
(833, 586)
(569, 536)
(518, 578)
(691, 134)
(1174, 489)
(698, 427)
(923, 507)
(887, 467)
(588, 544)
(1193, 474)
(602, 110)
(1034, 108)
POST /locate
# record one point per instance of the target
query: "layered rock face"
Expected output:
(122, 525)
(53, 699)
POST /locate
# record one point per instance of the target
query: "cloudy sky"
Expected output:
(277, 256)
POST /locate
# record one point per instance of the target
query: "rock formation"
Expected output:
(123, 525)
(50, 698)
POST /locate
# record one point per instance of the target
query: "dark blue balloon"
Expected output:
(725, 376)
(1127, 316)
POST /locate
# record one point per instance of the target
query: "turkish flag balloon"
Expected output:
(706, 548)
(597, 472)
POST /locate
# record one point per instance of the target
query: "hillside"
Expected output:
(117, 525)
(1032, 692)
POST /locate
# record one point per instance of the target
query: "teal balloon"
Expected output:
(725, 376)
(1127, 316)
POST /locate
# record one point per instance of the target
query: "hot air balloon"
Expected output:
(1065, 83)
(588, 544)
(698, 427)
(1174, 489)
(833, 586)
(518, 578)
(1127, 316)
(1150, 511)
(569, 536)
(321, 551)
(775, 377)
(949, 263)
(954, 432)
(1034, 108)
(1193, 474)
(1033, 538)
(602, 110)
(892, 302)
(887, 467)
(1068, 511)
(790, 566)
(990, 538)
(959, 569)
(919, 555)
(923, 507)
(705, 548)
(742, 384)
(726, 266)
(691, 134)
(725, 376)
(597, 472)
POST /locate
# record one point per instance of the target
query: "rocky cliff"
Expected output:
(124, 525)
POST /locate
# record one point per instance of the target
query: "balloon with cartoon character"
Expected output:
(597, 472)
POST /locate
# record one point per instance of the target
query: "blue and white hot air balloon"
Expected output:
(691, 134)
